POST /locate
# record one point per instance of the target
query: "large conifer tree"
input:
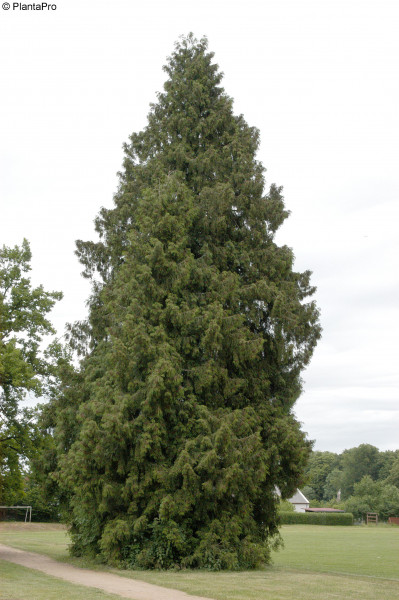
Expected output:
(179, 425)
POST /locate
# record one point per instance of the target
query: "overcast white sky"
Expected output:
(319, 78)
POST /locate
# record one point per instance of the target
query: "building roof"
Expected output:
(298, 498)
(336, 510)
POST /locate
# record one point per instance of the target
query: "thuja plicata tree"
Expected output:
(178, 427)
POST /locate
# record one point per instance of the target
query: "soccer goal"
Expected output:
(17, 511)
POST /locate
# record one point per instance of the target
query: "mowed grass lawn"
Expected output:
(358, 550)
(316, 563)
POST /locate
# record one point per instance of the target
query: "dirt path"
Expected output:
(108, 582)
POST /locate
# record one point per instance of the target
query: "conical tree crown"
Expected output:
(198, 333)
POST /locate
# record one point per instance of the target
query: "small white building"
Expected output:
(299, 501)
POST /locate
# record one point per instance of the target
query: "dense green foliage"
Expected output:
(177, 428)
(356, 463)
(327, 472)
(309, 518)
(374, 496)
(393, 476)
(319, 467)
(23, 368)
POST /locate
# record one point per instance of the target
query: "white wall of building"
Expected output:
(300, 507)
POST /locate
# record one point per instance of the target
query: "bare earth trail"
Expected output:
(108, 582)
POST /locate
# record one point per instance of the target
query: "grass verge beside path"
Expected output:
(44, 538)
(20, 583)
(317, 563)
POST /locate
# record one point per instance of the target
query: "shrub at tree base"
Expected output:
(175, 432)
(297, 518)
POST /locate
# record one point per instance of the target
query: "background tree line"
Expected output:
(361, 479)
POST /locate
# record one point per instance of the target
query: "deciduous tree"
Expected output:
(356, 463)
(23, 323)
(319, 466)
(373, 496)
(393, 477)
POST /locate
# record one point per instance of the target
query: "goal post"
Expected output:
(27, 509)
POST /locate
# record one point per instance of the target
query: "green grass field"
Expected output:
(317, 563)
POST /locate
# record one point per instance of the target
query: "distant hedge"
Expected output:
(308, 518)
